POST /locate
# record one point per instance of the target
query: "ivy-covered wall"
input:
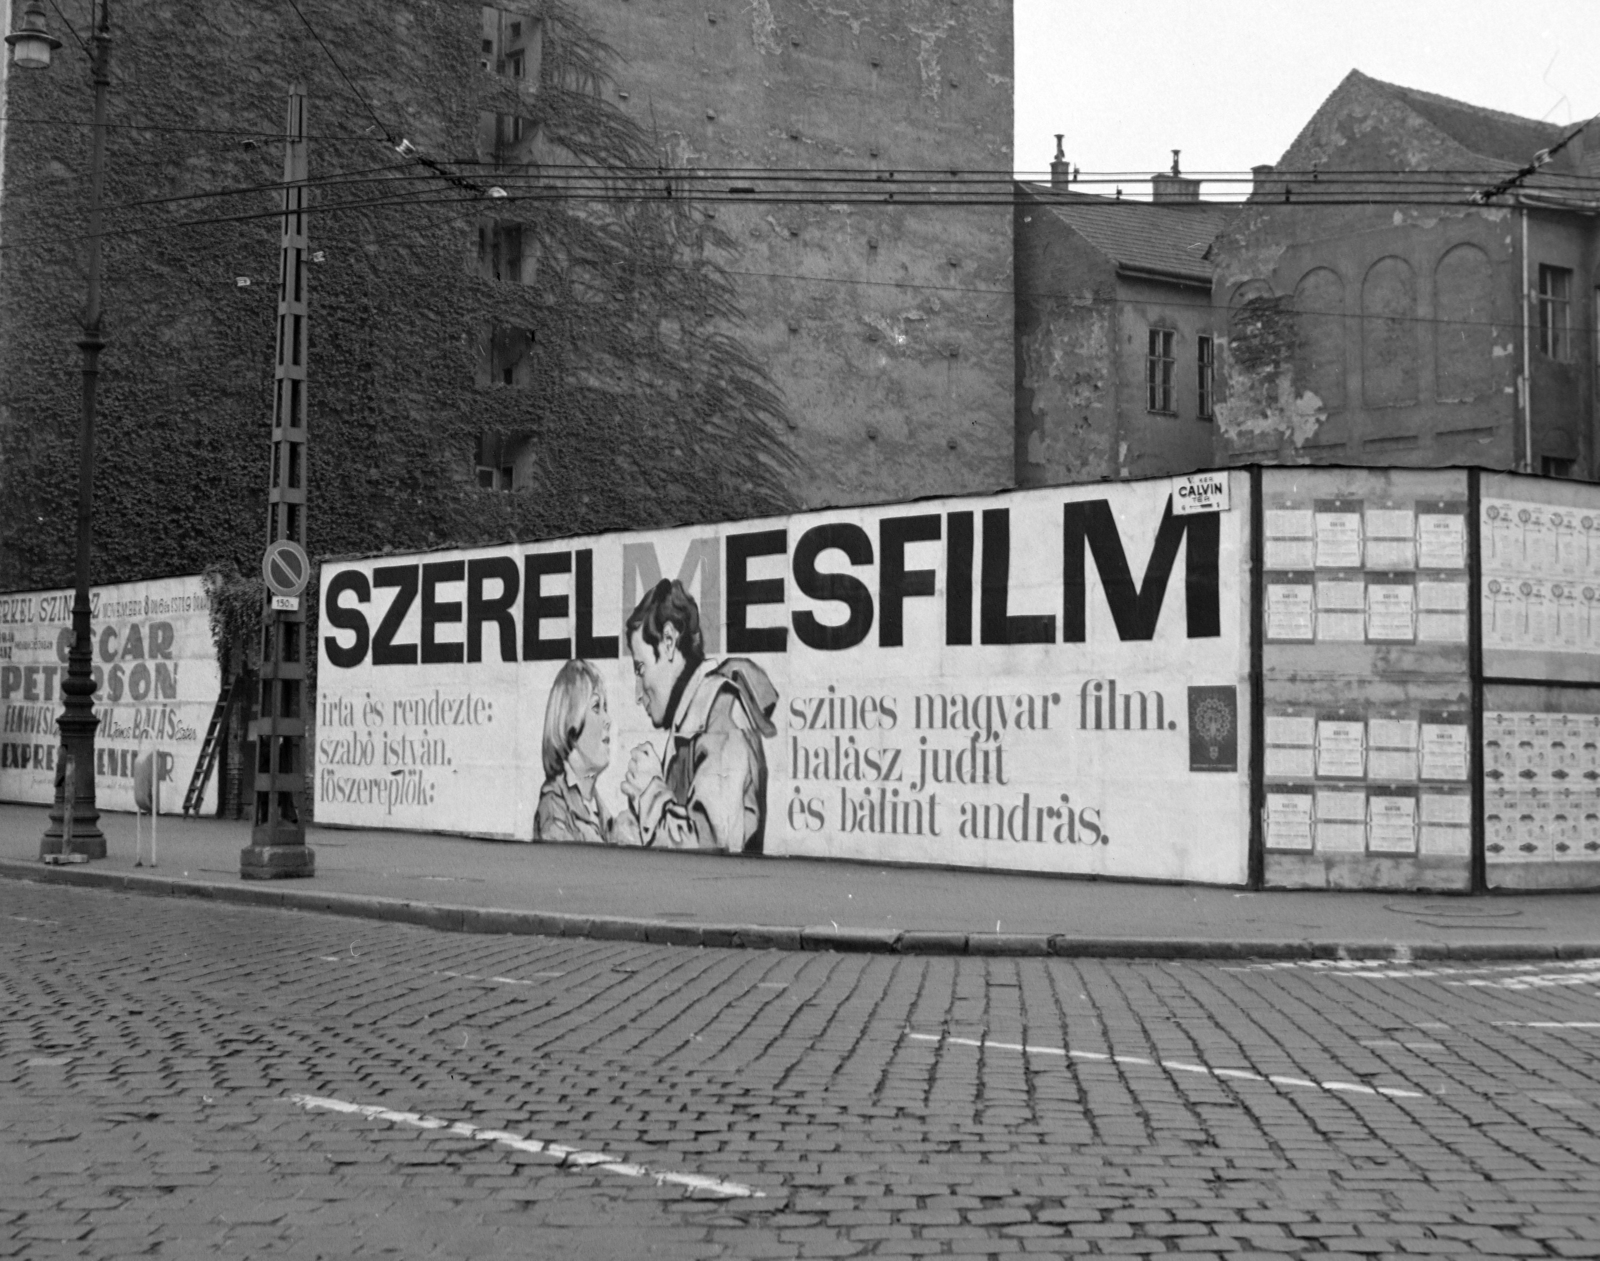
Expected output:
(665, 382)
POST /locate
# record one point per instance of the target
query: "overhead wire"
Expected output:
(349, 82)
(244, 133)
(400, 145)
(71, 29)
(474, 207)
(924, 187)
(604, 189)
(1540, 159)
(334, 179)
(911, 186)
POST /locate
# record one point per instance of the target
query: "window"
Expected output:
(493, 461)
(1207, 364)
(1550, 466)
(1555, 311)
(507, 139)
(505, 358)
(500, 251)
(513, 46)
(1158, 372)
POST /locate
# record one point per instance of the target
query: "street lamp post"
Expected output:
(74, 827)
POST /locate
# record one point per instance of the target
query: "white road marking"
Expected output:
(1398, 968)
(572, 1156)
(1549, 1024)
(494, 980)
(1181, 1066)
(1539, 981)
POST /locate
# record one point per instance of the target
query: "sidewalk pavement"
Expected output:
(465, 885)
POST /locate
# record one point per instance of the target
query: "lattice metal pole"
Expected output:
(278, 836)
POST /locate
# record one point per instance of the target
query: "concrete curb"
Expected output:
(831, 937)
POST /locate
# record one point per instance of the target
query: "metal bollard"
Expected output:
(146, 796)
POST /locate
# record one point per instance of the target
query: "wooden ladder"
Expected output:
(208, 750)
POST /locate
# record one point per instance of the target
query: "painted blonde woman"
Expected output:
(576, 748)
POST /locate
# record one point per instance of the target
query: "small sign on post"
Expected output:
(287, 569)
(1199, 492)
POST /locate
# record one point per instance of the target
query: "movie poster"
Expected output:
(1049, 680)
(156, 676)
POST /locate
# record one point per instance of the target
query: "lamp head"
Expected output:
(31, 43)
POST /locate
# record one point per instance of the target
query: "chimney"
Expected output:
(1262, 184)
(1172, 186)
(1060, 168)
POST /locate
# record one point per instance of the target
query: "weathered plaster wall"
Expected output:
(1081, 346)
(1152, 444)
(1392, 334)
(1067, 333)
(1563, 391)
(888, 329)
(1369, 335)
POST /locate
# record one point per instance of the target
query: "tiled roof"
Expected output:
(1168, 239)
(1368, 125)
(1489, 132)
(1508, 141)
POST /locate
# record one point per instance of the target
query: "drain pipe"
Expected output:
(1527, 355)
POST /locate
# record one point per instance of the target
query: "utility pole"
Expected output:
(278, 846)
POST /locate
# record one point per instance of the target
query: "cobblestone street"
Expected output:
(181, 1079)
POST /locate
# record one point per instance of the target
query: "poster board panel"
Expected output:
(1365, 679)
(1541, 578)
(157, 679)
(1045, 680)
(1541, 771)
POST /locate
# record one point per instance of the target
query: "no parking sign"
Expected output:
(287, 569)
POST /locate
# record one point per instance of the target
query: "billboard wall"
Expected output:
(1048, 680)
(156, 675)
(1366, 678)
(1540, 604)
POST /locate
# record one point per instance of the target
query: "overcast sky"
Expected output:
(1231, 82)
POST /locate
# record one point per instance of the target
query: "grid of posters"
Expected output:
(1342, 782)
(1349, 570)
(1366, 604)
(1541, 787)
(1541, 577)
